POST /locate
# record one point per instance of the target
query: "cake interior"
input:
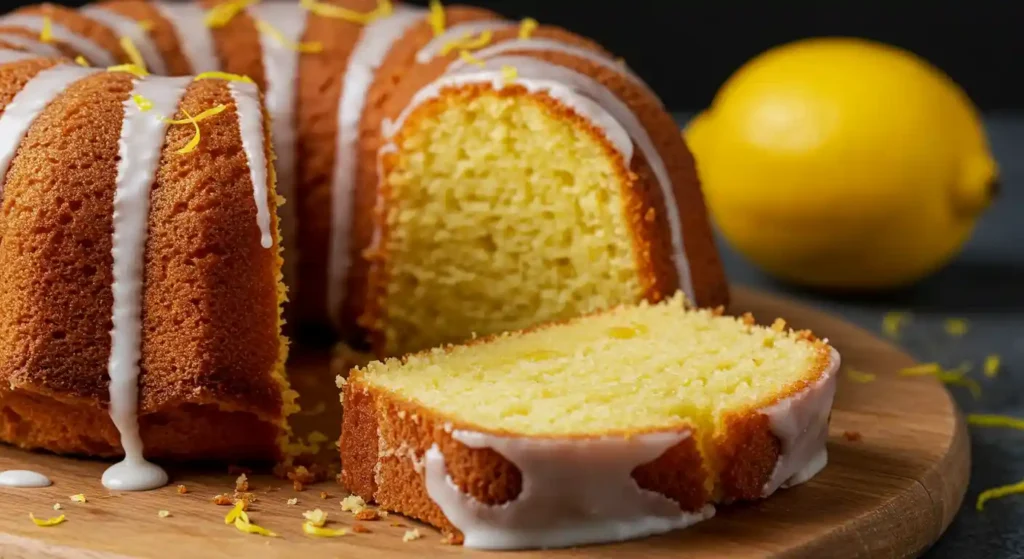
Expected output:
(491, 191)
(635, 368)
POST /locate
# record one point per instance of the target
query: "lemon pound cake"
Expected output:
(669, 409)
(140, 293)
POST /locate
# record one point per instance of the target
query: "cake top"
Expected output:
(628, 370)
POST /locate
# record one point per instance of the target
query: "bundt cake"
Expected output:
(447, 173)
(669, 409)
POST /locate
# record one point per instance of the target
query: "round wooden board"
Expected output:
(891, 493)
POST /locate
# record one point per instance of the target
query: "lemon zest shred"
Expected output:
(194, 121)
(46, 521)
(143, 103)
(992, 420)
(250, 528)
(133, 52)
(957, 379)
(956, 327)
(468, 58)
(894, 322)
(436, 17)
(509, 74)
(467, 42)
(215, 75)
(991, 367)
(321, 532)
(78, 498)
(527, 27)
(924, 369)
(46, 32)
(81, 61)
(860, 376)
(237, 512)
(384, 8)
(129, 68)
(275, 33)
(146, 24)
(221, 14)
(998, 492)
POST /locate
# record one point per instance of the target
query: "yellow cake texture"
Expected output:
(619, 424)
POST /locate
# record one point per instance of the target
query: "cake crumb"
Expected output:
(397, 525)
(852, 436)
(223, 500)
(779, 325)
(293, 501)
(353, 504)
(448, 539)
(56, 506)
(182, 490)
(411, 535)
(163, 513)
(368, 514)
(325, 495)
(242, 483)
(245, 496)
(316, 517)
(360, 529)
(747, 319)
(79, 498)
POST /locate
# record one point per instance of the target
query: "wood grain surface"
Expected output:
(891, 493)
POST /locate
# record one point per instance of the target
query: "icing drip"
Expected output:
(250, 125)
(366, 58)
(127, 27)
(94, 52)
(281, 67)
(194, 36)
(139, 151)
(23, 479)
(801, 424)
(31, 45)
(456, 32)
(8, 56)
(26, 106)
(562, 502)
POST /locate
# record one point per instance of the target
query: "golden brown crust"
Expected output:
(210, 342)
(160, 30)
(79, 25)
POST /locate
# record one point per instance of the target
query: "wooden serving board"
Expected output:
(891, 493)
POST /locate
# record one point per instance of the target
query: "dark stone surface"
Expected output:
(984, 285)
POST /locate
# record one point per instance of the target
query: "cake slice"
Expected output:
(608, 427)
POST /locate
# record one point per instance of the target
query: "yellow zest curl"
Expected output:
(468, 58)
(384, 8)
(957, 379)
(894, 322)
(194, 121)
(956, 327)
(436, 17)
(133, 53)
(527, 27)
(46, 33)
(992, 366)
(986, 420)
(322, 532)
(466, 42)
(998, 492)
(921, 370)
(223, 76)
(81, 61)
(47, 522)
(250, 528)
(143, 103)
(509, 74)
(130, 68)
(146, 25)
(221, 14)
(860, 376)
(269, 29)
(237, 512)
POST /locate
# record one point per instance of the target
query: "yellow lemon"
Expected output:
(842, 163)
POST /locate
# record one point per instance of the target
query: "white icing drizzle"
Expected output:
(801, 424)
(471, 28)
(281, 68)
(31, 45)
(23, 479)
(139, 151)
(367, 56)
(128, 27)
(194, 36)
(9, 55)
(574, 492)
(91, 50)
(27, 105)
(250, 125)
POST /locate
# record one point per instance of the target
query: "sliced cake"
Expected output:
(617, 425)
